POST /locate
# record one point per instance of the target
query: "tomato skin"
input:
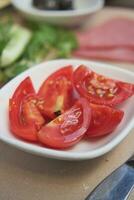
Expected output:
(57, 91)
(67, 129)
(83, 79)
(27, 131)
(104, 120)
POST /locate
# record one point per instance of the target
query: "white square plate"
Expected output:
(84, 149)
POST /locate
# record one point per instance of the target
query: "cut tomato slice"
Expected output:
(104, 120)
(99, 89)
(20, 125)
(67, 129)
(57, 92)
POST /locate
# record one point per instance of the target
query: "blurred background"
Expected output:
(122, 3)
(119, 3)
(39, 24)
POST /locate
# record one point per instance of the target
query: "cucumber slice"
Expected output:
(20, 37)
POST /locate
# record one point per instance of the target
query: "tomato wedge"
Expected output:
(104, 120)
(99, 89)
(57, 92)
(67, 129)
(20, 124)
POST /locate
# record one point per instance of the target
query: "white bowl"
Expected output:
(84, 149)
(83, 9)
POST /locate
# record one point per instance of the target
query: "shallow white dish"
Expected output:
(84, 149)
(83, 9)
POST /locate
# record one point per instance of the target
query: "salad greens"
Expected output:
(4, 36)
(30, 45)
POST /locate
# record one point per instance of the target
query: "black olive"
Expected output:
(53, 4)
(65, 4)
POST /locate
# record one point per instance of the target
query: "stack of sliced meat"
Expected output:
(113, 40)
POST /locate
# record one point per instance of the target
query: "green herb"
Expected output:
(4, 34)
(47, 38)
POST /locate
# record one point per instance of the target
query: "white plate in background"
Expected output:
(74, 17)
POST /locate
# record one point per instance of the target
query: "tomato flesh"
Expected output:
(99, 89)
(30, 111)
(104, 120)
(67, 129)
(17, 125)
(57, 92)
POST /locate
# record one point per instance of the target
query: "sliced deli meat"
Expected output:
(117, 32)
(113, 54)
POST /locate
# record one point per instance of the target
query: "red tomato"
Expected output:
(104, 120)
(57, 92)
(99, 89)
(67, 129)
(18, 124)
(30, 111)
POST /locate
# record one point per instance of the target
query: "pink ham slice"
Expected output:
(118, 32)
(117, 54)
